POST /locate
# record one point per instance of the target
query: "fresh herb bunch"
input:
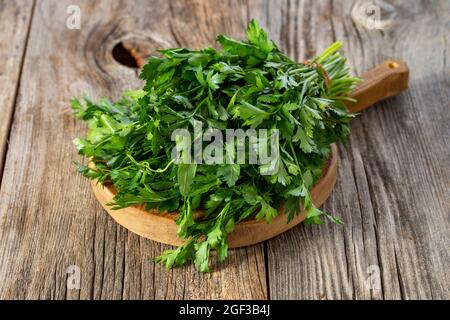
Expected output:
(248, 84)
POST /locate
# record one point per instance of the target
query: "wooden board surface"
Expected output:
(393, 180)
(393, 184)
(15, 20)
(162, 228)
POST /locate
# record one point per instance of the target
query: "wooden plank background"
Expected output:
(393, 187)
(15, 20)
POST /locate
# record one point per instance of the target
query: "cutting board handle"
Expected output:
(385, 80)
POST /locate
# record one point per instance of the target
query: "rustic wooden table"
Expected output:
(393, 188)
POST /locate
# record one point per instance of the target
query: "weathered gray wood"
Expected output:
(15, 17)
(49, 219)
(393, 186)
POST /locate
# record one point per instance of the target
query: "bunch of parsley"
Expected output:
(249, 84)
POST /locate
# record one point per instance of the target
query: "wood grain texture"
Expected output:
(386, 80)
(15, 17)
(49, 218)
(393, 180)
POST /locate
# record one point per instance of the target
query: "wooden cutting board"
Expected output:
(385, 80)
